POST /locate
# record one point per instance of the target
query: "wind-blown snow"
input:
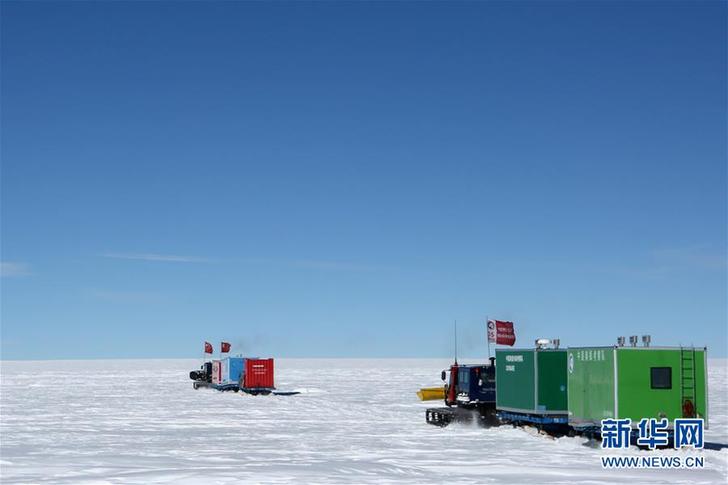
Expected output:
(76, 422)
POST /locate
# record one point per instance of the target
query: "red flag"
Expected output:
(208, 348)
(224, 347)
(501, 333)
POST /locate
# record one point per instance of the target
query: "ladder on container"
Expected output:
(687, 381)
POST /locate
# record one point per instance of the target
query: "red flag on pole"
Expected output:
(501, 333)
(208, 348)
(224, 347)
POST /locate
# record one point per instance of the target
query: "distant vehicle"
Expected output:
(469, 394)
(250, 375)
(202, 376)
(569, 391)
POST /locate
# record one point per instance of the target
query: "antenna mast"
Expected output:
(456, 342)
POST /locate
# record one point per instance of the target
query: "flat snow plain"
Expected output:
(357, 421)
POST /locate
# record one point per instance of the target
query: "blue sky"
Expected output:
(346, 179)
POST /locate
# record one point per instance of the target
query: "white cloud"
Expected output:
(168, 258)
(10, 268)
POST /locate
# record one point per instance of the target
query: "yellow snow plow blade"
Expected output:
(431, 393)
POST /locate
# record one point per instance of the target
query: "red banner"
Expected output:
(208, 348)
(501, 333)
(224, 347)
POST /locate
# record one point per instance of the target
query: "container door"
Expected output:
(236, 367)
(225, 371)
(515, 380)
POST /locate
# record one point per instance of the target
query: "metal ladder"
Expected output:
(687, 379)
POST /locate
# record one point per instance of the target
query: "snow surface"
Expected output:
(140, 421)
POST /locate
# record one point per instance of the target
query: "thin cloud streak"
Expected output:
(666, 262)
(313, 264)
(125, 296)
(9, 269)
(165, 258)
(701, 256)
(337, 265)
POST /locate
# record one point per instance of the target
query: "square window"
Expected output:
(661, 377)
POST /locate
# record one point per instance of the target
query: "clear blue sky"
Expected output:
(346, 179)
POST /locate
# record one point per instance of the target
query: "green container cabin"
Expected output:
(531, 381)
(635, 383)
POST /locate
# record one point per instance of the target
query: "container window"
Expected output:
(661, 377)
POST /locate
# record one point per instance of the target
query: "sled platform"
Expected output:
(202, 385)
(217, 387)
(255, 391)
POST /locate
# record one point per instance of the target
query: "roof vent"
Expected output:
(542, 343)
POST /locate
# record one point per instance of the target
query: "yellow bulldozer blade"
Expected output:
(431, 393)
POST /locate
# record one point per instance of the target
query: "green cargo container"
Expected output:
(636, 383)
(531, 381)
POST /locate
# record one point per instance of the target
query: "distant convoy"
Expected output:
(251, 375)
(570, 390)
(558, 390)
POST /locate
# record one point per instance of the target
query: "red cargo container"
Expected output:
(258, 374)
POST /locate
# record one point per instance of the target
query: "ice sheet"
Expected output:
(359, 421)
